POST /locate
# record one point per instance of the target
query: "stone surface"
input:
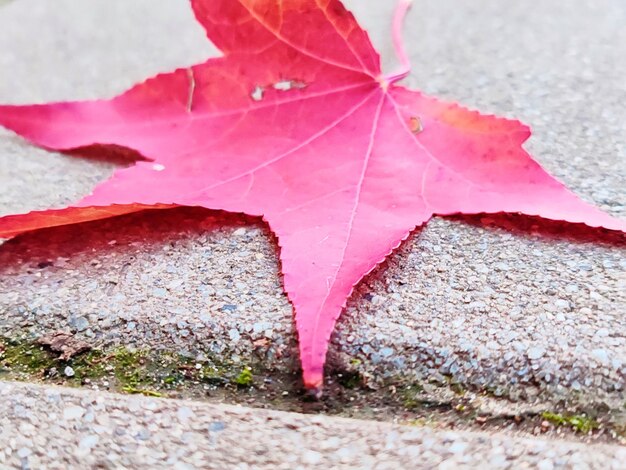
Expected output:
(66, 428)
(509, 304)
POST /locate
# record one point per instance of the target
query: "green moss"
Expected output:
(126, 370)
(138, 369)
(89, 365)
(349, 380)
(126, 358)
(214, 375)
(409, 396)
(23, 357)
(129, 367)
(136, 391)
(580, 423)
(355, 362)
(171, 380)
(245, 378)
(421, 422)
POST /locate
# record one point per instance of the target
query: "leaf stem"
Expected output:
(398, 44)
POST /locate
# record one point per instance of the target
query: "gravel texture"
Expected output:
(63, 428)
(514, 305)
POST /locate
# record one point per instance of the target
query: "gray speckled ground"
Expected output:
(510, 304)
(107, 431)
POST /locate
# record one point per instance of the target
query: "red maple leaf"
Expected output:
(297, 124)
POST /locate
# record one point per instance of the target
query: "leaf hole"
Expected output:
(257, 93)
(288, 85)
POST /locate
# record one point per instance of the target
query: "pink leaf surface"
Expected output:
(297, 124)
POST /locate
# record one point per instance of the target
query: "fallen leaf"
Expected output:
(297, 124)
(65, 344)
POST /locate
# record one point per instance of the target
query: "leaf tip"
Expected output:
(313, 382)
